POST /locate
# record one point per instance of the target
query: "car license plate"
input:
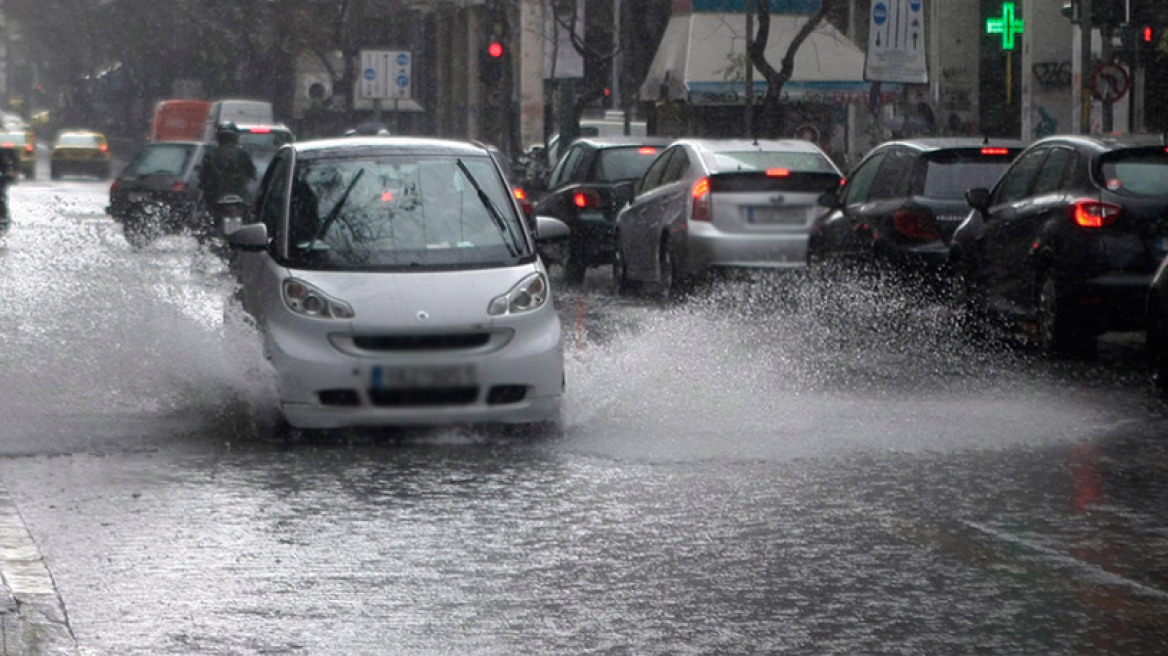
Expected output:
(136, 196)
(774, 216)
(406, 377)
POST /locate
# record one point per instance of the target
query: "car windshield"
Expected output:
(402, 212)
(948, 178)
(756, 160)
(89, 140)
(160, 159)
(14, 137)
(1138, 173)
(614, 164)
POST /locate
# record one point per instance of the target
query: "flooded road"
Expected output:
(785, 465)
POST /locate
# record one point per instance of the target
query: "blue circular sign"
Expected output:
(403, 59)
(914, 5)
(403, 81)
(370, 74)
(880, 13)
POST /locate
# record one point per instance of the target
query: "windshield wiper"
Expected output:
(500, 223)
(336, 211)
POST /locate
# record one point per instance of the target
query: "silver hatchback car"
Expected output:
(395, 282)
(720, 203)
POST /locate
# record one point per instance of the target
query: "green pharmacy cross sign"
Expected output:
(1008, 25)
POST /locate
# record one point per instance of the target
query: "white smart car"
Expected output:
(395, 282)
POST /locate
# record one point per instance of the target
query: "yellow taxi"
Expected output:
(24, 141)
(80, 152)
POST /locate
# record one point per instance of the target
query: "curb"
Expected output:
(33, 621)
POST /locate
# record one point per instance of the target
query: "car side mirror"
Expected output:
(549, 228)
(623, 193)
(252, 237)
(830, 200)
(978, 199)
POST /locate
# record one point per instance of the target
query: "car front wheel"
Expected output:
(1058, 332)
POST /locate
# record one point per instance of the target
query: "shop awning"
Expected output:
(702, 54)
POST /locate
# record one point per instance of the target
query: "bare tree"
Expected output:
(773, 118)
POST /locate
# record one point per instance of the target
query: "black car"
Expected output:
(1157, 326)
(582, 191)
(158, 192)
(1066, 243)
(903, 201)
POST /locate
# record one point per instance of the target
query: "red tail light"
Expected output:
(915, 225)
(178, 186)
(647, 150)
(701, 200)
(28, 147)
(7, 144)
(995, 151)
(1090, 213)
(260, 130)
(113, 187)
(778, 173)
(519, 193)
(586, 199)
(104, 148)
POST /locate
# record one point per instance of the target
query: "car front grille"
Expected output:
(436, 342)
(423, 396)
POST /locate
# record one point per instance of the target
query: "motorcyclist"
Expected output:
(227, 168)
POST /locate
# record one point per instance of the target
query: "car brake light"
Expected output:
(104, 148)
(701, 200)
(778, 173)
(586, 198)
(995, 151)
(647, 150)
(178, 186)
(1090, 213)
(114, 187)
(519, 193)
(387, 196)
(28, 147)
(7, 144)
(260, 130)
(915, 224)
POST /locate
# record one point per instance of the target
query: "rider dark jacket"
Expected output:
(227, 169)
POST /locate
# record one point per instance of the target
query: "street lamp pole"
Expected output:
(1085, 68)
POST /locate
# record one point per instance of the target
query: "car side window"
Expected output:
(676, 167)
(565, 171)
(1054, 171)
(274, 197)
(655, 175)
(893, 178)
(1018, 180)
(860, 182)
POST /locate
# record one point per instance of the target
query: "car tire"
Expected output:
(140, 229)
(621, 285)
(575, 268)
(1157, 345)
(1057, 331)
(666, 285)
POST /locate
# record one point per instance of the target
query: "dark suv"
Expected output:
(582, 192)
(1066, 243)
(902, 202)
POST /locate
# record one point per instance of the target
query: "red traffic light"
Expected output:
(495, 49)
(1149, 34)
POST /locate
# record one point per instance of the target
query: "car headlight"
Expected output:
(306, 300)
(530, 294)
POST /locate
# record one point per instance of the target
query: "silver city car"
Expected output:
(720, 203)
(395, 282)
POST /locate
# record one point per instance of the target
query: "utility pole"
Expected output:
(1085, 65)
(749, 116)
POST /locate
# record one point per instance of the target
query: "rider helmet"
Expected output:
(227, 130)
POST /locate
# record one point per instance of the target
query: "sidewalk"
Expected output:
(32, 616)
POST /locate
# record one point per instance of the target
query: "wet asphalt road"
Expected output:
(784, 465)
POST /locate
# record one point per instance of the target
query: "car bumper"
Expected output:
(1116, 302)
(324, 386)
(708, 247)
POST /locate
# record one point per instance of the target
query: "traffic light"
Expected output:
(1147, 35)
(495, 49)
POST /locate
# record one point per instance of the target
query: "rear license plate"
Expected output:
(136, 197)
(774, 216)
(406, 377)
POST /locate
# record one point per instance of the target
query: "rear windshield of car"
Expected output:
(754, 160)
(79, 140)
(615, 164)
(161, 159)
(1142, 172)
(269, 140)
(402, 213)
(949, 175)
(14, 137)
